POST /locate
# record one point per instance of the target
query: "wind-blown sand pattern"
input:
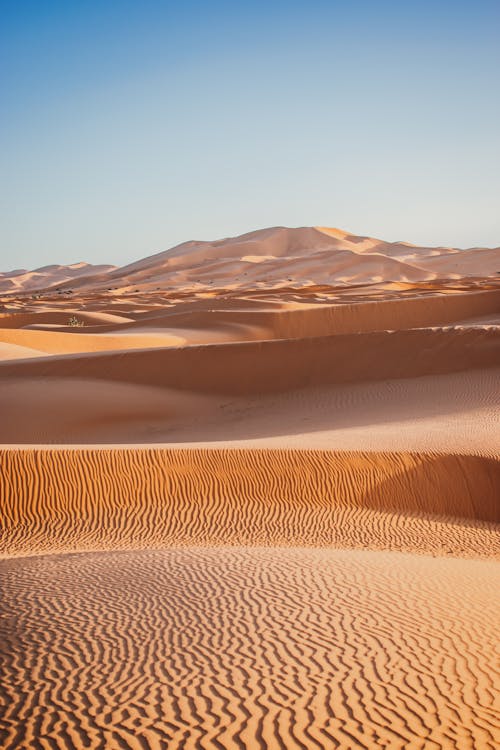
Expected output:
(73, 500)
(243, 648)
(249, 497)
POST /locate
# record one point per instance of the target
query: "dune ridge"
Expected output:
(221, 322)
(64, 500)
(313, 255)
(266, 366)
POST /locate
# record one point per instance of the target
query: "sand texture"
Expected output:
(250, 498)
(74, 500)
(247, 648)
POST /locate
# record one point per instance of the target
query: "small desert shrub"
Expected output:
(73, 321)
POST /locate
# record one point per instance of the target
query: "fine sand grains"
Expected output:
(249, 648)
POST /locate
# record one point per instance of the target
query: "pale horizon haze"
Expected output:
(127, 128)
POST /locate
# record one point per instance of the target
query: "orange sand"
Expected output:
(253, 501)
(247, 648)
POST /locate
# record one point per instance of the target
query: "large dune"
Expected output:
(313, 255)
(250, 497)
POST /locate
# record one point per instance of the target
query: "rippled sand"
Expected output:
(62, 500)
(247, 648)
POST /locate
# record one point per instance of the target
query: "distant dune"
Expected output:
(249, 497)
(313, 255)
(42, 278)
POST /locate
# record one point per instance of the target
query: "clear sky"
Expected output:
(127, 127)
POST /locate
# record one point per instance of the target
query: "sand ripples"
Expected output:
(59, 500)
(246, 648)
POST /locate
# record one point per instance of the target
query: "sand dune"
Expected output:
(22, 280)
(253, 368)
(252, 500)
(451, 413)
(50, 317)
(311, 253)
(313, 256)
(17, 351)
(72, 500)
(47, 332)
(52, 342)
(307, 315)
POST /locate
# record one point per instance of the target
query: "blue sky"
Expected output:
(128, 127)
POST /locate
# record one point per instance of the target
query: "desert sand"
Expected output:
(250, 497)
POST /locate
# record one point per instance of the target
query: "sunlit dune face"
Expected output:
(257, 258)
(333, 232)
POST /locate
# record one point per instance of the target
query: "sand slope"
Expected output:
(451, 413)
(69, 500)
(256, 259)
(267, 366)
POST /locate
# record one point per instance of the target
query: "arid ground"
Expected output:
(250, 496)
